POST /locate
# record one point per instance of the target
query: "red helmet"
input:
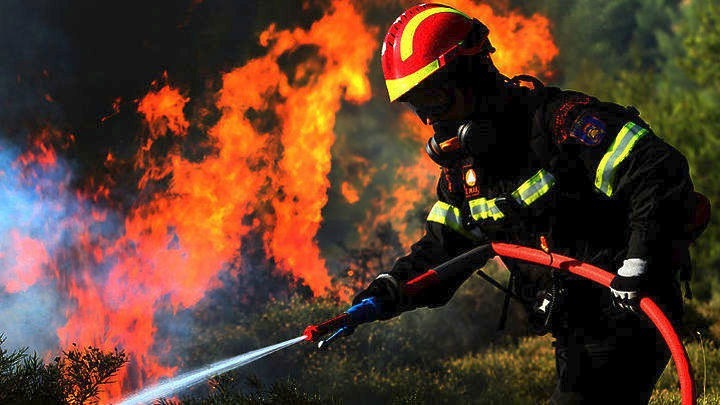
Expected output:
(422, 40)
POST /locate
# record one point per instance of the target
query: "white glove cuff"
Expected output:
(633, 268)
(389, 277)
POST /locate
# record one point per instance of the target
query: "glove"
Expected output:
(515, 213)
(387, 291)
(628, 286)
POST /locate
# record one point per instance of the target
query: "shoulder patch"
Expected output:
(588, 129)
(561, 127)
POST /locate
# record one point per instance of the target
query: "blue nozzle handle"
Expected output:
(367, 310)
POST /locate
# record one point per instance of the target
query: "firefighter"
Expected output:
(520, 160)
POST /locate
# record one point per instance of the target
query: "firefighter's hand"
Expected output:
(513, 210)
(628, 286)
(387, 291)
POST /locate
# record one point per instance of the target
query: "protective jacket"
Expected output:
(591, 176)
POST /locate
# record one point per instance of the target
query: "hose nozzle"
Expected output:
(344, 324)
(342, 332)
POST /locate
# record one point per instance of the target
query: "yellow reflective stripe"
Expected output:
(398, 87)
(534, 187)
(528, 192)
(408, 35)
(481, 208)
(446, 214)
(619, 150)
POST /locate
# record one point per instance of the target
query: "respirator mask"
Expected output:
(456, 140)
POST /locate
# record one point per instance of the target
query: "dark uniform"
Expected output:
(594, 179)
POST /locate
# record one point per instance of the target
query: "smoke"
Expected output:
(36, 205)
(30, 318)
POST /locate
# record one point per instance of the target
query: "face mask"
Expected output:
(425, 103)
(454, 140)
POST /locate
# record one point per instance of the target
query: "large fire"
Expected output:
(267, 173)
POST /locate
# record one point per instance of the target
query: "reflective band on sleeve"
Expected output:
(534, 187)
(482, 208)
(619, 150)
(446, 214)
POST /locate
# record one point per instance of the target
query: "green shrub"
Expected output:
(75, 377)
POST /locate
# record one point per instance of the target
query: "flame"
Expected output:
(115, 107)
(359, 173)
(24, 257)
(350, 193)
(524, 45)
(308, 117)
(163, 110)
(41, 152)
(175, 244)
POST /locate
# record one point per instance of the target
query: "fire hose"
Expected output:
(368, 310)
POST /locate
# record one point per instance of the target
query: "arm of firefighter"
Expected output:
(655, 182)
(438, 245)
(388, 288)
(444, 239)
(625, 161)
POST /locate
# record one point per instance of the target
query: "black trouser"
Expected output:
(617, 363)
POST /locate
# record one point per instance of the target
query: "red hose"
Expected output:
(598, 275)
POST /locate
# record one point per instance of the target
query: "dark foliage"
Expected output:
(75, 377)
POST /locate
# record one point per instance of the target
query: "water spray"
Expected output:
(187, 380)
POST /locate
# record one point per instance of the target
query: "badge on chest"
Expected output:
(470, 180)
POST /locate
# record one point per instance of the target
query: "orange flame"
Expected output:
(308, 117)
(163, 110)
(359, 174)
(175, 245)
(41, 151)
(27, 261)
(524, 45)
(350, 193)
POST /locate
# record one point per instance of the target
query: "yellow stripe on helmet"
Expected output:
(398, 87)
(408, 35)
